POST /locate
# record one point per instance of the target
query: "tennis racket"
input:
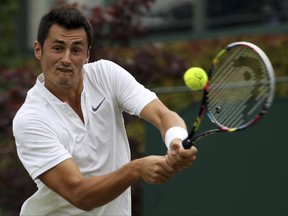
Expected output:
(239, 91)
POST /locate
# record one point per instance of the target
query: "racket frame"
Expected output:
(192, 139)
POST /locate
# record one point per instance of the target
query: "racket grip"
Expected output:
(187, 143)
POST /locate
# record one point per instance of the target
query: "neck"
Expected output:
(72, 96)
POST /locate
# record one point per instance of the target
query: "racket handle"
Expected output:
(187, 143)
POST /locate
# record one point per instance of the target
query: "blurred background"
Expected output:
(156, 41)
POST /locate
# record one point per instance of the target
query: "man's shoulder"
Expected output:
(33, 106)
(102, 65)
(99, 62)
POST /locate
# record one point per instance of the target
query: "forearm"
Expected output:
(161, 117)
(93, 192)
(169, 120)
(100, 190)
(89, 193)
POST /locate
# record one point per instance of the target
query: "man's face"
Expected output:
(62, 57)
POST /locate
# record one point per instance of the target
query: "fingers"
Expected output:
(159, 169)
(175, 147)
(178, 165)
(180, 158)
(155, 170)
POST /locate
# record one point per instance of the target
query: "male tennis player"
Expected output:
(70, 133)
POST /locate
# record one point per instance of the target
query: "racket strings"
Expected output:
(230, 106)
(239, 87)
(260, 99)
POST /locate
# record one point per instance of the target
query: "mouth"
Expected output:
(65, 70)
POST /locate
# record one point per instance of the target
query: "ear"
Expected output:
(37, 50)
(88, 56)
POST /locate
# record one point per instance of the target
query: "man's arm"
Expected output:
(89, 193)
(163, 118)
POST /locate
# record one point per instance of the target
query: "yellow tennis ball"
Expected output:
(195, 78)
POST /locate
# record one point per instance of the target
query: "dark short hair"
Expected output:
(67, 17)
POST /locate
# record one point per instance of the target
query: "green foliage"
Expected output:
(8, 46)
(116, 25)
(14, 84)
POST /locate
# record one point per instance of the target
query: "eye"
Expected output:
(57, 48)
(76, 50)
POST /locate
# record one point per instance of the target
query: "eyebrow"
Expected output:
(78, 42)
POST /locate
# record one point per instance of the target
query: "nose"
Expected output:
(66, 58)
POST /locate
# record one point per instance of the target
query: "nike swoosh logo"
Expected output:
(94, 109)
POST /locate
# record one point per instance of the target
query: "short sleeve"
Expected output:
(38, 147)
(131, 96)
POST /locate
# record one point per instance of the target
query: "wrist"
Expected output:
(175, 132)
(135, 166)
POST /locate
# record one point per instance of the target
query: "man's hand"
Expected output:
(155, 169)
(178, 157)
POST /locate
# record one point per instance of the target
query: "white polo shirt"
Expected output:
(48, 131)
